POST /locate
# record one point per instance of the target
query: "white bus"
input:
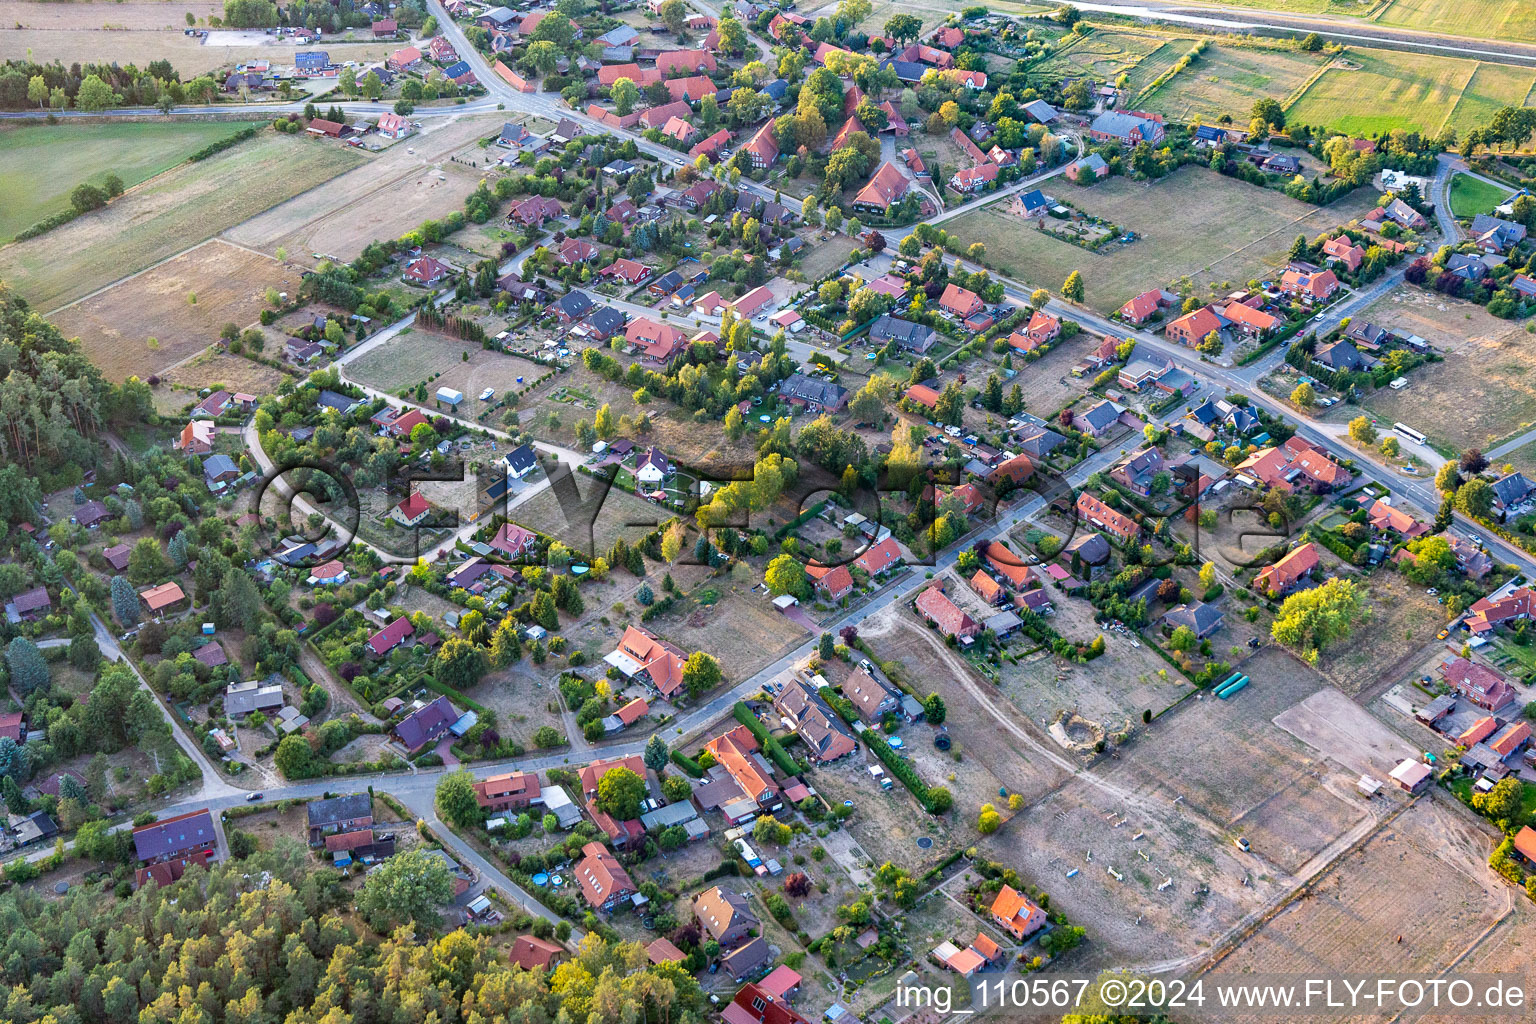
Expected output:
(1403, 430)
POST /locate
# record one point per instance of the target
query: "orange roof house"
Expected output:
(603, 880)
(593, 773)
(1015, 471)
(532, 953)
(641, 654)
(836, 582)
(157, 599)
(1285, 574)
(962, 302)
(886, 187)
(924, 395)
(1477, 731)
(1345, 251)
(1514, 736)
(937, 608)
(733, 749)
(1385, 517)
(1105, 518)
(1309, 285)
(1525, 843)
(1191, 328)
(1015, 912)
(989, 589)
(512, 791)
(1251, 321)
(1008, 565)
(880, 557)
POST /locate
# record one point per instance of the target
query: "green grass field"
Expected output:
(1471, 196)
(40, 166)
(1386, 91)
(1228, 79)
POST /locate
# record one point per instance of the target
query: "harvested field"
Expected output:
(40, 165)
(415, 355)
(1363, 916)
(402, 187)
(1170, 216)
(229, 372)
(1227, 80)
(1490, 19)
(742, 629)
(229, 283)
(180, 208)
(1483, 391)
(1493, 86)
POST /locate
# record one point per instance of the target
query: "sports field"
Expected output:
(178, 209)
(1173, 218)
(1228, 79)
(40, 166)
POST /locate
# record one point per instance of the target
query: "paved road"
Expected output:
(263, 110)
(1247, 19)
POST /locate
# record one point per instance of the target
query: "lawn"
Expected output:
(179, 209)
(1173, 218)
(1471, 196)
(40, 166)
(1404, 90)
(1228, 79)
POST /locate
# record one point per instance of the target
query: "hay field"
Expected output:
(1174, 218)
(1104, 54)
(178, 209)
(1492, 86)
(114, 326)
(1228, 79)
(1404, 90)
(41, 165)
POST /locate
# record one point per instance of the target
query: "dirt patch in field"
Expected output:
(408, 183)
(228, 282)
(1366, 915)
(1484, 390)
(230, 372)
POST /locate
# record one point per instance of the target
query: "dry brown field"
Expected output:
(229, 282)
(231, 372)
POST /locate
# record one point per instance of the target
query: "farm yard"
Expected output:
(180, 208)
(1365, 914)
(228, 284)
(405, 185)
(1170, 218)
(41, 164)
(1482, 392)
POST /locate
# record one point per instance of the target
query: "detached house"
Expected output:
(818, 726)
(1127, 128)
(604, 882)
(1122, 527)
(935, 606)
(960, 302)
(1286, 574)
(1309, 286)
(641, 654)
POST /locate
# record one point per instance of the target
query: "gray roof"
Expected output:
(1198, 616)
(243, 698)
(1090, 547)
(1341, 355)
(334, 400)
(1040, 110)
(672, 814)
(179, 835)
(339, 808)
(1511, 489)
(574, 303)
(1101, 415)
(217, 465)
(909, 335)
(522, 459)
(1118, 124)
(810, 389)
(1003, 622)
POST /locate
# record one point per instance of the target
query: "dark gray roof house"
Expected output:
(573, 305)
(1511, 490)
(1341, 355)
(911, 336)
(335, 400)
(1092, 548)
(1201, 618)
(340, 810)
(810, 391)
(175, 837)
(521, 460)
(1100, 416)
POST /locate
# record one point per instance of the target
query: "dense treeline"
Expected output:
(27, 85)
(267, 939)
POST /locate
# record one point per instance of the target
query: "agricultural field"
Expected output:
(228, 284)
(933, 12)
(1172, 218)
(405, 185)
(1417, 92)
(1482, 392)
(1471, 196)
(1493, 86)
(41, 165)
(1490, 19)
(1228, 79)
(186, 205)
(137, 32)
(1362, 915)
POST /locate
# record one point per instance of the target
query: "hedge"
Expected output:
(898, 765)
(780, 756)
(687, 764)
